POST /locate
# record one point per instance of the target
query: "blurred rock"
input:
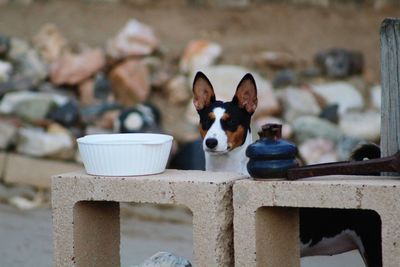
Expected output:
(362, 125)
(51, 89)
(309, 127)
(26, 61)
(87, 92)
(227, 3)
(341, 93)
(49, 43)
(130, 82)
(376, 97)
(97, 130)
(17, 49)
(28, 104)
(174, 120)
(88, 114)
(102, 87)
(8, 132)
(178, 91)
(8, 191)
(330, 113)
(358, 82)
(15, 84)
(297, 103)
(287, 130)
(310, 72)
(160, 71)
(67, 114)
(23, 2)
(108, 119)
(135, 39)
(72, 69)
(23, 203)
(55, 143)
(4, 45)
(142, 118)
(5, 71)
(285, 78)
(319, 150)
(339, 63)
(165, 259)
(199, 54)
(225, 79)
(345, 147)
(274, 59)
(34, 109)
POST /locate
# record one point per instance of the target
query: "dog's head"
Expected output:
(224, 125)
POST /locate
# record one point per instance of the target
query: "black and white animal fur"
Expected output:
(225, 128)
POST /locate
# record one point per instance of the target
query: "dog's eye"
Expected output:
(229, 122)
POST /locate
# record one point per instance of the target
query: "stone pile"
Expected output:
(52, 91)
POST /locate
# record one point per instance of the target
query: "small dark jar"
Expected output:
(270, 156)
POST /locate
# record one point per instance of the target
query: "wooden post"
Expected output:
(390, 80)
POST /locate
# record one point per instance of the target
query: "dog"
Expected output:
(225, 129)
(225, 126)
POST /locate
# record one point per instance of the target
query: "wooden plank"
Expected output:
(390, 80)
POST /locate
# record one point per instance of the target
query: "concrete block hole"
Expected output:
(126, 234)
(278, 230)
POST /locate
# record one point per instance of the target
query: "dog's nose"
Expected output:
(211, 143)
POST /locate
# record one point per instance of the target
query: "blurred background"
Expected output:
(71, 68)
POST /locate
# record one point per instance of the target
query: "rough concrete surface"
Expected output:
(82, 202)
(342, 192)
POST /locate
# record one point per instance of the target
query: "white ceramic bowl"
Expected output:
(125, 154)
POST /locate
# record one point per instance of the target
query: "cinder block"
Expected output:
(85, 207)
(266, 219)
(20, 169)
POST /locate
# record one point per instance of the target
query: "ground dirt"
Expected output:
(242, 32)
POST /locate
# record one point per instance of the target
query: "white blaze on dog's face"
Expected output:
(224, 125)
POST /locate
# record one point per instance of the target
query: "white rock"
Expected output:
(298, 102)
(362, 125)
(26, 61)
(11, 100)
(225, 79)
(49, 42)
(135, 39)
(36, 142)
(341, 93)
(199, 54)
(376, 97)
(315, 151)
(177, 90)
(23, 203)
(310, 127)
(165, 259)
(7, 134)
(5, 71)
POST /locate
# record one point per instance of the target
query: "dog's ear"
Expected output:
(246, 94)
(203, 92)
